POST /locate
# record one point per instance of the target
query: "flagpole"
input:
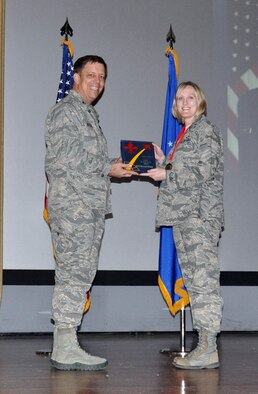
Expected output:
(169, 267)
(182, 351)
(66, 31)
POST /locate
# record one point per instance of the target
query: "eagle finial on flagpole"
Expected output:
(66, 30)
(171, 38)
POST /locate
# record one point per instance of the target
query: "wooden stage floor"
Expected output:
(136, 366)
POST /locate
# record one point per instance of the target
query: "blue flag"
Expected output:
(171, 282)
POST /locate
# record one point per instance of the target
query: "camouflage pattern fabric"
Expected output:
(76, 235)
(76, 165)
(191, 200)
(77, 161)
(196, 244)
(194, 186)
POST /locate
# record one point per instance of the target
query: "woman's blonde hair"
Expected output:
(201, 100)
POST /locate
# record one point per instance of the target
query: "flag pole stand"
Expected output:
(182, 352)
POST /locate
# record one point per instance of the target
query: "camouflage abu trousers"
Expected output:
(196, 244)
(77, 234)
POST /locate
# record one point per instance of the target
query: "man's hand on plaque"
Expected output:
(121, 170)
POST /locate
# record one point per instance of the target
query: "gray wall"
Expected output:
(120, 309)
(131, 36)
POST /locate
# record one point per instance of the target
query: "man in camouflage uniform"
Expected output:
(79, 170)
(191, 200)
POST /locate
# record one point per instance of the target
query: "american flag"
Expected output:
(243, 74)
(65, 85)
(66, 79)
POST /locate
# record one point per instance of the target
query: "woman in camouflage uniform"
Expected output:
(191, 200)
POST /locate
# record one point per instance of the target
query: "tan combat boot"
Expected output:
(68, 355)
(205, 355)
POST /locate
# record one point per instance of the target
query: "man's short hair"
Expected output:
(82, 61)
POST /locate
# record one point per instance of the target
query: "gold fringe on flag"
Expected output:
(175, 59)
(70, 46)
(179, 290)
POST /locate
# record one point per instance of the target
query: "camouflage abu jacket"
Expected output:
(76, 160)
(194, 186)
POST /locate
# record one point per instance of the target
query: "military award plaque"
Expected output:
(140, 154)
